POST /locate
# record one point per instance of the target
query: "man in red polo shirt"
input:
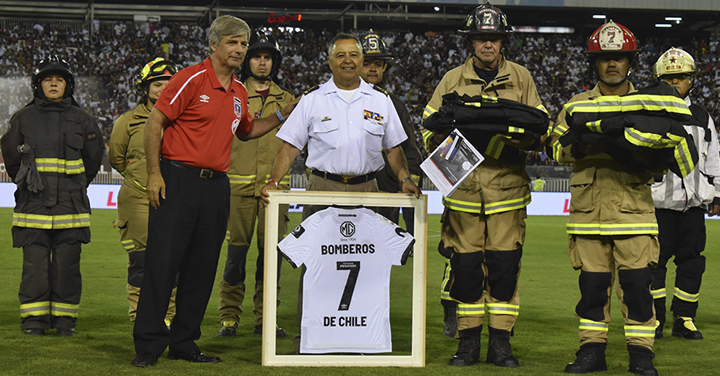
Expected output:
(195, 118)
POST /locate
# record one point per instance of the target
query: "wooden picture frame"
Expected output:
(269, 342)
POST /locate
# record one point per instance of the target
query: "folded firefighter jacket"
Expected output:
(643, 130)
(482, 119)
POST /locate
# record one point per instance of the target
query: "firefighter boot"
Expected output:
(590, 358)
(684, 327)
(450, 321)
(468, 352)
(659, 329)
(499, 350)
(641, 361)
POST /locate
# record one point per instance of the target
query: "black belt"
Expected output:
(347, 179)
(201, 172)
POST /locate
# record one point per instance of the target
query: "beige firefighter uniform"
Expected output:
(612, 233)
(126, 152)
(484, 219)
(250, 165)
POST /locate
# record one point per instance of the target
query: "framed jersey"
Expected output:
(354, 249)
(348, 253)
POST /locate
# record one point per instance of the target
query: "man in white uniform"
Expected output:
(348, 254)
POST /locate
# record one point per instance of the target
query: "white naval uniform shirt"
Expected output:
(346, 289)
(344, 138)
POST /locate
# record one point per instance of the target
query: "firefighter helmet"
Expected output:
(675, 61)
(261, 42)
(612, 38)
(158, 69)
(486, 19)
(53, 65)
(375, 48)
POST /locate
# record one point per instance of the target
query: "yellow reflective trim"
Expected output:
(241, 179)
(227, 235)
(594, 126)
(127, 244)
(503, 309)
(63, 309)
(586, 324)
(495, 146)
(639, 331)
(611, 229)
(61, 166)
(686, 296)
(463, 206)
(659, 293)
(683, 158)
(507, 205)
(428, 111)
(34, 309)
(48, 222)
(512, 129)
(614, 103)
(647, 139)
(471, 309)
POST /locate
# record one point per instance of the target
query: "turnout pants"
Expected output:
(682, 236)
(51, 282)
(602, 259)
(485, 261)
(244, 210)
(132, 221)
(185, 236)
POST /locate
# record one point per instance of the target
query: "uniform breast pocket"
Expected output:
(74, 141)
(373, 135)
(327, 135)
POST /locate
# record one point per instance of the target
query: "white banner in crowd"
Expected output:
(104, 196)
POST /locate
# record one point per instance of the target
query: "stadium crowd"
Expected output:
(107, 61)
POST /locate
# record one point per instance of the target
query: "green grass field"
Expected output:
(545, 334)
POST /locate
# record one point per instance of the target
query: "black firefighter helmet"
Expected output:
(53, 65)
(259, 41)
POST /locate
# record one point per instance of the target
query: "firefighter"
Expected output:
(250, 165)
(483, 225)
(375, 64)
(126, 152)
(681, 204)
(612, 231)
(52, 151)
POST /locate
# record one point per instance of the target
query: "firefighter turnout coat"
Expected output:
(495, 186)
(68, 151)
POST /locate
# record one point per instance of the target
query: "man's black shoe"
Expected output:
(195, 357)
(685, 327)
(144, 359)
(499, 350)
(279, 332)
(641, 361)
(590, 358)
(659, 329)
(468, 352)
(35, 332)
(65, 332)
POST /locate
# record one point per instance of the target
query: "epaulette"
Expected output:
(310, 90)
(378, 88)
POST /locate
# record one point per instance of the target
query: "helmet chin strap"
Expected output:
(263, 79)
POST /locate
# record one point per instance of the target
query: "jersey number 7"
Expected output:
(354, 268)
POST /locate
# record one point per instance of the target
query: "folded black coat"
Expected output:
(481, 118)
(643, 130)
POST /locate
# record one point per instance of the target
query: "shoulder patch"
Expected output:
(378, 88)
(308, 91)
(298, 231)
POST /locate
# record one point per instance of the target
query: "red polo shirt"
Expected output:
(203, 117)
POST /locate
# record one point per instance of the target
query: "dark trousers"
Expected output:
(51, 281)
(681, 235)
(185, 235)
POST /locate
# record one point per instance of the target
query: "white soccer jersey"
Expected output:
(348, 254)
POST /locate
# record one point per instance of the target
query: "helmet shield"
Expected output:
(374, 47)
(158, 69)
(675, 61)
(486, 19)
